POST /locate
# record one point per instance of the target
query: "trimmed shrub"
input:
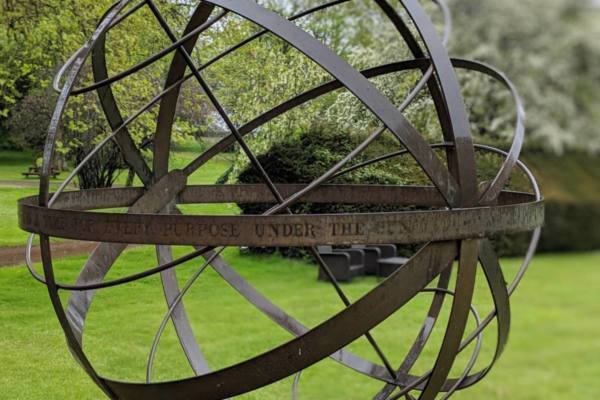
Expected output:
(568, 227)
(303, 159)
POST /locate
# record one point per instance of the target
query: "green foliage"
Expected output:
(567, 228)
(267, 72)
(258, 77)
(29, 118)
(305, 158)
(41, 36)
(549, 48)
(549, 51)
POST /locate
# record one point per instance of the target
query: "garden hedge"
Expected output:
(568, 226)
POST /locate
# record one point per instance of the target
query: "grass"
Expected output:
(10, 234)
(569, 178)
(13, 163)
(207, 174)
(552, 353)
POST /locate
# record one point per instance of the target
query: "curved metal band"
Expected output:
(537, 196)
(463, 63)
(288, 322)
(465, 286)
(162, 150)
(492, 191)
(68, 64)
(131, 153)
(150, 60)
(106, 254)
(496, 283)
(319, 91)
(447, 97)
(497, 286)
(498, 183)
(422, 337)
(457, 168)
(532, 248)
(309, 348)
(162, 108)
(49, 149)
(281, 230)
(426, 79)
(426, 196)
(281, 109)
(356, 83)
(465, 155)
(187, 36)
(168, 109)
(239, 284)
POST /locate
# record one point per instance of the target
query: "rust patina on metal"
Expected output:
(280, 230)
(462, 214)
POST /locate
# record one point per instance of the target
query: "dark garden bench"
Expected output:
(374, 254)
(344, 264)
(382, 259)
(388, 266)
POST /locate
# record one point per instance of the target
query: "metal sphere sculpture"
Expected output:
(467, 214)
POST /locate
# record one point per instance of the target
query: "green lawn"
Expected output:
(552, 353)
(13, 163)
(10, 234)
(207, 174)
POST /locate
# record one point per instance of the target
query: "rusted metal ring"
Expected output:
(278, 230)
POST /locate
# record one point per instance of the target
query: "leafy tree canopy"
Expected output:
(548, 47)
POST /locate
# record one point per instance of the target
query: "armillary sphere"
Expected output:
(456, 219)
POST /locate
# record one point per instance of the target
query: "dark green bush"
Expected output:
(571, 227)
(568, 227)
(303, 159)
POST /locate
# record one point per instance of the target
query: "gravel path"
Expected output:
(13, 256)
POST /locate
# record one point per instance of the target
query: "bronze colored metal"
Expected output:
(281, 230)
(461, 214)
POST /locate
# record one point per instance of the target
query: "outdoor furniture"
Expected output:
(388, 261)
(388, 266)
(37, 171)
(381, 259)
(344, 264)
(372, 256)
(386, 250)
